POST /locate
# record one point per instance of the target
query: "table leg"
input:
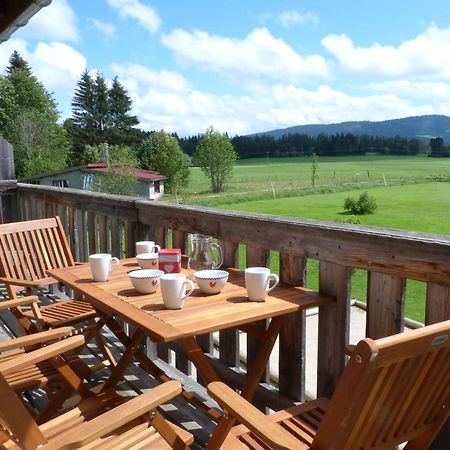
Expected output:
(196, 355)
(226, 422)
(152, 368)
(131, 349)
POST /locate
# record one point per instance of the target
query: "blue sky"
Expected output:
(247, 66)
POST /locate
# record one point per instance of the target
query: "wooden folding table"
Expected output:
(201, 313)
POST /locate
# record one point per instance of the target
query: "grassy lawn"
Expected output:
(419, 207)
(424, 206)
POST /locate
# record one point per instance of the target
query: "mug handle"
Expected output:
(274, 277)
(190, 288)
(157, 247)
(115, 259)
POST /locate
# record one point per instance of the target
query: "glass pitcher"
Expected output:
(202, 256)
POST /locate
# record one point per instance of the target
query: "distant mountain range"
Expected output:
(423, 127)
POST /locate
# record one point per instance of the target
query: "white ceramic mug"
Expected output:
(147, 247)
(173, 289)
(101, 265)
(257, 282)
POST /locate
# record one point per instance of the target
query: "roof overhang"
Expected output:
(16, 13)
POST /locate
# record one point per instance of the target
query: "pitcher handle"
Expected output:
(218, 264)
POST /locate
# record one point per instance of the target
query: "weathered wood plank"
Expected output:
(103, 234)
(229, 339)
(91, 231)
(256, 257)
(179, 240)
(438, 303)
(292, 336)
(385, 305)
(80, 235)
(334, 319)
(130, 238)
(115, 236)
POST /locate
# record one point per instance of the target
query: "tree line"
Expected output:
(257, 146)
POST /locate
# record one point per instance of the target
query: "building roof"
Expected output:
(142, 174)
(16, 13)
(138, 173)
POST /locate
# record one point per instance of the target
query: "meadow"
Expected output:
(412, 193)
(283, 174)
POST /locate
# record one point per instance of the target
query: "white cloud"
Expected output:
(55, 22)
(146, 15)
(288, 19)
(258, 54)
(56, 65)
(162, 79)
(108, 29)
(423, 56)
(424, 90)
(165, 100)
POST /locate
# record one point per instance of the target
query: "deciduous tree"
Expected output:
(215, 155)
(29, 121)
(161, 152)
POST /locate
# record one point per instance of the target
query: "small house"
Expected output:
(149, 184)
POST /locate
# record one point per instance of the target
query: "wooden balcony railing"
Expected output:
(104, 223)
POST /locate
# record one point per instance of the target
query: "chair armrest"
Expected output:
(116, 417)
(7, 304)
(349, 349)
(269, 432)
(36, 338)
(41, 354)
(24, 283)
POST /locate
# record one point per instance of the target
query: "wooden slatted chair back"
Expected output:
(16, 422)
(28, 249)
(393, 390)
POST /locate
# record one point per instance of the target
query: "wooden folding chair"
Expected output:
(41, 375)
(393, 390)
(102, 421)
(27, 250)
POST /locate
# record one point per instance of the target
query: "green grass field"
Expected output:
(406, 197)
(278, 174)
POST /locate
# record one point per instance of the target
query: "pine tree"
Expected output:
(122, 123)
(16, 62)
(102, 118)
(100, 115)
(83, 102)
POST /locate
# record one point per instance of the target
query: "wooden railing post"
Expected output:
(291, 373)
(385, 305)
(229, 339)
(259, 257)
(334, 322)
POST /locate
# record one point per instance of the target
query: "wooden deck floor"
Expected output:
(137, 381)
